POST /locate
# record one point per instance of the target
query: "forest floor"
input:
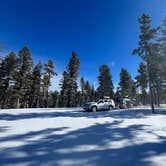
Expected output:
(72, 137)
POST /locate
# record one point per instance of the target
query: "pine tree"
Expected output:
(82, 84)
(78, 99)
(118, 97)
(8, 73)
(105, 82)
(155, 73)
(48, 74)
(163, 51)
(141, 82)
(73, 73)
(35, 93)
(87, 92)
(147, 50)
(133, 90)
(24, 77)
(93, 93)
(53, 99)
(125, 84)
(162, 63)
(64, 90)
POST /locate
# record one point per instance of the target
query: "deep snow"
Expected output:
(72, 137)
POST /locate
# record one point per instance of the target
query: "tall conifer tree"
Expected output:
(48, 74)
(147, 50)
(35, 93)
(73, 73)
(105, 82)
(141, 82)
(24, 77)
(125, 84)
(8, 73)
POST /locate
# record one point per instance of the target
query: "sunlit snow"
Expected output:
(70, 137)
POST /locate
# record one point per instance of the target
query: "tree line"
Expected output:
(25, 85)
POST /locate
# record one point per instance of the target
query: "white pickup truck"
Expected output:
(102, 104)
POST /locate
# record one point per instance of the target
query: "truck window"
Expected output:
(100, 101)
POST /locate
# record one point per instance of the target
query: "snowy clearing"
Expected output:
(73, 137)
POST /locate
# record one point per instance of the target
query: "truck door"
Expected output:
(101, 104)
(107, 104)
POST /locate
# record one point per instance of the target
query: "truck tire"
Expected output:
(110, 108)
(94, 109)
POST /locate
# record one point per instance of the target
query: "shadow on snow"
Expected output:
(69, 149)
(119, 114)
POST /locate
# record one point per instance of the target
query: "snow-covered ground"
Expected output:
(72, 137)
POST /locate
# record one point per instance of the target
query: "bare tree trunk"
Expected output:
(18, 103)
(151, 98)
(37, 103)
(150, 88)
(158, 95)
(5, 102)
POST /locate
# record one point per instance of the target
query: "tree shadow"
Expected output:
(160, 111)
(3, 128)
(119, 114)
(93, 145)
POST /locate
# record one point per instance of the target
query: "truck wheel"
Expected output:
(110, 108)
(94, 109)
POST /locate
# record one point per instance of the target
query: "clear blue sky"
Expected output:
(100, 31)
